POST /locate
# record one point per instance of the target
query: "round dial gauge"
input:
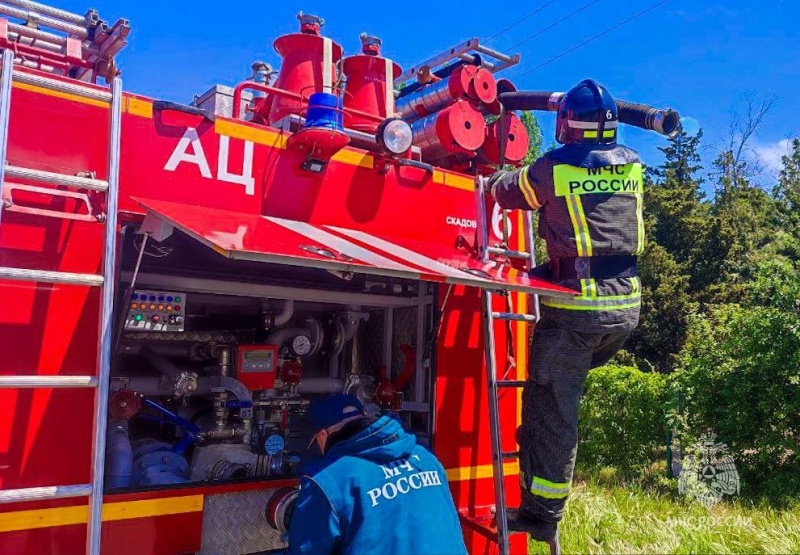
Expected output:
(301, 346)
(274, 444)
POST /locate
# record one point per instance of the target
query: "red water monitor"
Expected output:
(257, 365)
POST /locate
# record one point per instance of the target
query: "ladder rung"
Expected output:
(514, 316)
(31, 382)
(510, 455)
(23, 274)
(44, 493)
(61, 86)
(511, 383)
(56, 178)
(497, 251)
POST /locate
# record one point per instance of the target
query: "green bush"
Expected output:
(622, 419)
(740, 377)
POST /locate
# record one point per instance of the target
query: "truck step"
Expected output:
(41, 176)
(514, 316)
(511, 383)
(498, 251)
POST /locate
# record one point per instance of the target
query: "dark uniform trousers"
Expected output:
(548, 435)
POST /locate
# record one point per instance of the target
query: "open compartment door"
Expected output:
(273, 240)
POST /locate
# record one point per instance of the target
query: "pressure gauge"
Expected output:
(301, 346)
(274, 444)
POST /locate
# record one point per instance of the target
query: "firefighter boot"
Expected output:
(539, 529)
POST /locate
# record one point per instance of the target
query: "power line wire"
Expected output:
(562, 20)
(520, 20)
(593, 38)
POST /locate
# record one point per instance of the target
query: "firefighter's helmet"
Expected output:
(587, 114)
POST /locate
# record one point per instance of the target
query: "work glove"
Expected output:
(493, 180)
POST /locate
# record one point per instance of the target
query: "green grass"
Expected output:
(604, 517)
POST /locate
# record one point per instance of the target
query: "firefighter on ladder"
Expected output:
(589, 197)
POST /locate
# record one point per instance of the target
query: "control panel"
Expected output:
(152, 310)
(256, 366)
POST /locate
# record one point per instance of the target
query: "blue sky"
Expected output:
(698, 57)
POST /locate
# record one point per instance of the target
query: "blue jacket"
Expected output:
(376, 492)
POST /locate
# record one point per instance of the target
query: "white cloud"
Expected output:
(769, 155)
(690, 125)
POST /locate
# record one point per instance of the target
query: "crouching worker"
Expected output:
(374, 491)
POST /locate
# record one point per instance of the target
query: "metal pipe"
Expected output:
(80, 32)
(224, 360)
(388, 331)
(419, 376)
(151, 386)
(530, 242)
(285, 314)
(495, 54)
(43, 39)
(107, 323)
(252, 85)
(483, 225)
(119, 455)
(80, 89)
(36, 34)
(313, 386)
(50, 11)
(224, 432)
(5, 112)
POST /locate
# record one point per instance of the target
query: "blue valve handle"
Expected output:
(191, 432)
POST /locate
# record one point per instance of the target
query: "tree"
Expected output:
(742, 214)
(787, 192)
(674, 200)
(675, 219)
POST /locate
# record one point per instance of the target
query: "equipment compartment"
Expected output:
(222, 394)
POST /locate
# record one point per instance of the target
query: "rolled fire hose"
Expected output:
(661, 121)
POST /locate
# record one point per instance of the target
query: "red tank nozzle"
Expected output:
(371, 46)
(310, 24)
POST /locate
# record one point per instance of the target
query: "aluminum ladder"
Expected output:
(100, 381)
(488, 253)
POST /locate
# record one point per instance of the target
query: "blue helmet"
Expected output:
(587, 114)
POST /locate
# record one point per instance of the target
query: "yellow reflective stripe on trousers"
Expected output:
(549, 490)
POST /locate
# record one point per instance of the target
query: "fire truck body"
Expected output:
(253, 274)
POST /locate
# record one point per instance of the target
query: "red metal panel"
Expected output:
(271, 239)
(47, 329)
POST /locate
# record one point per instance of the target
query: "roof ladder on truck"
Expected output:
(99, 380)
(487, 253)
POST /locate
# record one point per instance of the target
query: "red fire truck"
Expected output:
(179, 282)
